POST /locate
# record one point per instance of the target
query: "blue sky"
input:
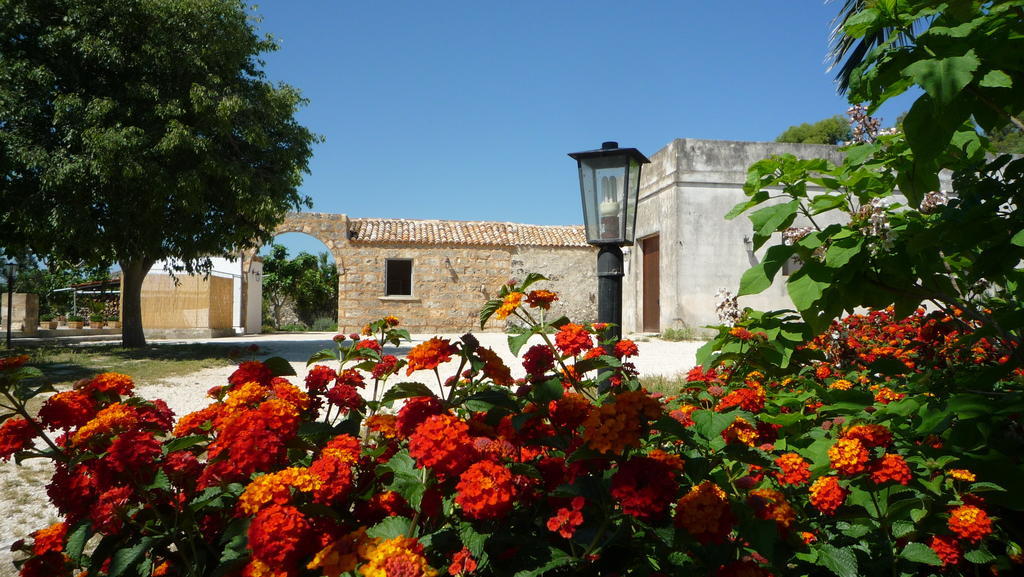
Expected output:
(466, 110)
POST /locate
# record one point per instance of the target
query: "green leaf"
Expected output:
(996, 79)
(472, 539)
(549, 390)
(1018, 239)
(710, 424)
(979, 556)
(516, 342)
(160, 482)
(530, 279)
(902, 528)
(280, 367)
(944, 78)
(390, 528)
(324, 355)
(771, 219)
(490, 307)
(804, 288)
(235, 540)
(489, 398)
(860, 23)
(184, 443)
(842, 251)
(128, 558)
(407, 480)
(826, 202)
(760, 276)
(920, 553)
(406, 390)
(77, 538)
(842, 562)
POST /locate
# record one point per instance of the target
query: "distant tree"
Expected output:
(308, 283)
(138, 130)
(1009, 139)
(832, 130)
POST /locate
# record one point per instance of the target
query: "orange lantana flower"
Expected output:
(430, 354)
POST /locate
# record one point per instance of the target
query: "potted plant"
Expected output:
(47, 321)
(113, 322)
(75, 321)
(96, 320)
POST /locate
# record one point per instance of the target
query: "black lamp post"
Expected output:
(610, 187)
(11, 267)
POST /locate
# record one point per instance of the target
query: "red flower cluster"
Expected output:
(573, 339)
(567, 519)
(970, 523)
(541, 299)
(793, 469)
(485, 491)
(15, 435)
(67, 410)
(827, 495)
(644, 487)
(538, 360)
(891, 467)
(749, 399)
(442, 443)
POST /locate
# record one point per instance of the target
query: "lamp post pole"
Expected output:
(609, 289)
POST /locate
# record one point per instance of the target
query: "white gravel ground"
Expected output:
(25, 507)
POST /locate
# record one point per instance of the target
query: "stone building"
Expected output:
(435, 275)
(685, 250)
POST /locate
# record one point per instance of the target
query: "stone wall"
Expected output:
(450, 286)
(24, 313)
(571, 272)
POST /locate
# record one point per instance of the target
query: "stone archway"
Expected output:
(330, 229)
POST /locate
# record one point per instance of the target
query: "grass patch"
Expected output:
(662, 384)
(65, 364)
(683, 334)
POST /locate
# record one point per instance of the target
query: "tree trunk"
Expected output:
(133, 272)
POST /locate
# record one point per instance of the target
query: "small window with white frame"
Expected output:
(398, 277)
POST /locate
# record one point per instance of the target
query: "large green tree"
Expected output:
(831, 130)
(137, 130)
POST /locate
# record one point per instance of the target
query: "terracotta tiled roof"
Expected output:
(449, 232)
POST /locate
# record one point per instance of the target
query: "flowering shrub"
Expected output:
(749, 470)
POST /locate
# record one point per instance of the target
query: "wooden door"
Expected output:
(651, 285)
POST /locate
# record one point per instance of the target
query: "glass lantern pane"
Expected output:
(633, 190)
(603, 185)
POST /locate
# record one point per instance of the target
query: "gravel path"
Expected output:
(25, 507)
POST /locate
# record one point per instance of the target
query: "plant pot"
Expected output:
(48, 325)
(96, 324)
(113, 324)
(75, 324)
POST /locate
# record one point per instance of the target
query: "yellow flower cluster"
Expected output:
(962, 475)
(509, 304)
(342, 555)
(276, 488)
(397, 556)
(740, 431)
(841, 385)
(614, 426)
(116, 417)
